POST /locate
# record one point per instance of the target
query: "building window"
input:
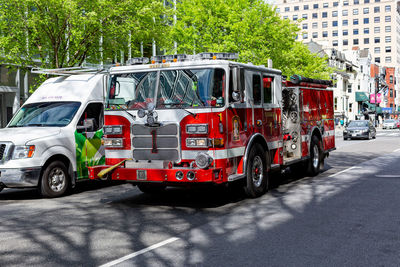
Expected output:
(388, 29)
(324, 14)
(314, 15)
(376, 9)
(295, 17)
(334, 13)
(335, 43)
(356, 2)
(345, 32)
(377, 29)
(387, 18)
(366, 1)
(355, 21)
(377, 1)
(377, 50)
(366, 10)
(287, 9)
(366, 30)
(305, 35)
(315, 25)
(366, 20)
(315, 6)
(334, 33)
(345, 12)
(325, 5)
(388, 49)
(345, 42)
(377, 60)
(305, 26)
(387, 8)
(388, 39)
(348, 88)
(296, 8)
(315, 35)
(285, 17)
(324, 34)
(377, 19)
(335, 103)
(334, 23)
(388, 59)
(345, 2)
(377, 40)
(355, 31)
(324, 24)
(305, 7)
(335, 3)
(278, 10)
(355, 11)
(391, 93)
(391, 79)
(350, 107)
(355, 41)
(366, 40)
(345, 22)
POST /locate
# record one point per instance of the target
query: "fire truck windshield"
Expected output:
(179, 88)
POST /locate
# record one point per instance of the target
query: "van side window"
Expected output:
(256, 89)
(267, 87)
(93, 115)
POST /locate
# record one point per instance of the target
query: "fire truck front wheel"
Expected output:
(151, 188)
(316, 157)
(256, 172)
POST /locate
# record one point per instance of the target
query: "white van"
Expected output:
(55, 135)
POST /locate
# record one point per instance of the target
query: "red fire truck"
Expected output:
(185, 120)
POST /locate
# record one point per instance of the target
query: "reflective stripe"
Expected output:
(118, 154)
(215, 154)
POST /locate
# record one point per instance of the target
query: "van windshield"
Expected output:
(179, 88)
(45, 114)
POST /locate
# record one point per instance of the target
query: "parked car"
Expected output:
(398, 124)
(389, 124)
(359, 130)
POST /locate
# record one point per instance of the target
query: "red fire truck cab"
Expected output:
(185, 120)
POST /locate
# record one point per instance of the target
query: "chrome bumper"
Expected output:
(24, 177)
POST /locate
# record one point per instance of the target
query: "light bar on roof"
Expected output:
(223, 56)
(137, 60)
(156, 59)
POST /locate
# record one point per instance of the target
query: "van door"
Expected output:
(88, 134)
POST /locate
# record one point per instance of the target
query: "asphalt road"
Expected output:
(346, 216)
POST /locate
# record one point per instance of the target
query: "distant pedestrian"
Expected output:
(341, 122)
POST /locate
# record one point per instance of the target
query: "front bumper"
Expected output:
(20, 177)
(356, 135)
(167, 176)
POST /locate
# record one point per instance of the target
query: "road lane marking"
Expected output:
(137, 253)
(348, 169)
(387, 175)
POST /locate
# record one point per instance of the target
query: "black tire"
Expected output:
(1, 188)
(316, 160)
(151, 188)
(55, 180)
(257, 180)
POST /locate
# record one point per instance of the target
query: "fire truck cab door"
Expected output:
(253, 101)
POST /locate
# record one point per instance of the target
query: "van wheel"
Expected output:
(55, 180)
(315, 161)
(151, 188)
(1, 188)
(256, 172)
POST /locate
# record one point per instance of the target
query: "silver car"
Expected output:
(389, 124)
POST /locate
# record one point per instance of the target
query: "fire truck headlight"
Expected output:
(112, 129)
(203, 160)
(113, 142)
(197, 142)
(197, 128)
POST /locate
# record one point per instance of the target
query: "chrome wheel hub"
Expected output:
(316, 157)
(57, 179)
(257, 171)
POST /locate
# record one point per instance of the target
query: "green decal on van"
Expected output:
(89, 152)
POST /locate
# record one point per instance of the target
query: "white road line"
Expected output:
(348, 169)
(137, 253)
(388, 175)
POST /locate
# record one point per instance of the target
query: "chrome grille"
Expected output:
(165, 138)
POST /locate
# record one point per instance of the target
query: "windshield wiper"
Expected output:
(35, 124)
(124, 109)
(179, 103)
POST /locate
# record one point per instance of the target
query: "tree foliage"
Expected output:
(250, 27)
(62, 33)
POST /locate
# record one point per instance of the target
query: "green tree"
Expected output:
(63, 33)
(250, 27)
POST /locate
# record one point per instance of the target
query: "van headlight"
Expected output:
(112, 129)
(23, 152)
(113, 142)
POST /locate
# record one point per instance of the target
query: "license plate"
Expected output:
(141, 175)
(354, 134)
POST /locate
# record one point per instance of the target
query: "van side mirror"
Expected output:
(88, 126)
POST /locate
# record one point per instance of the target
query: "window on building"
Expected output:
(324, 34)
(315, 35)
(388, 59)
(350, 107)
(324, 14)
(345, 22)
(388, 39)
(366, 20)
(355, 31)
(345, 2)
(334, 13)
(305, 7)
(388, 49)
(356, 2)
(335, 3)
(335, 103)
(391, 79)
(345, 12)
(296, 8)
(278, 10)
(334, 33)
(325, 5)
(377, 50)
(377, 19)
(335, 43)
(365, 10)
(285, 17)
(348, 88)
(305, 26)
(366, 1)
(295, 17)
(324, 24)
(345, 42)
(387, 18)
(345, 32)
(377, 29)
(377, 60)
(387, 8)
(377, 40)
(314, 15)
(304, 16)
(315, 6)
(377, 9)
(377, 1)
(366, 40)
(315, 25)
(388, 29)
(334, 23)
(355, 11)
(305, 35)
(355, 41)
(287, 9)
(355, 21)
(391, 92)
(366, 30)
